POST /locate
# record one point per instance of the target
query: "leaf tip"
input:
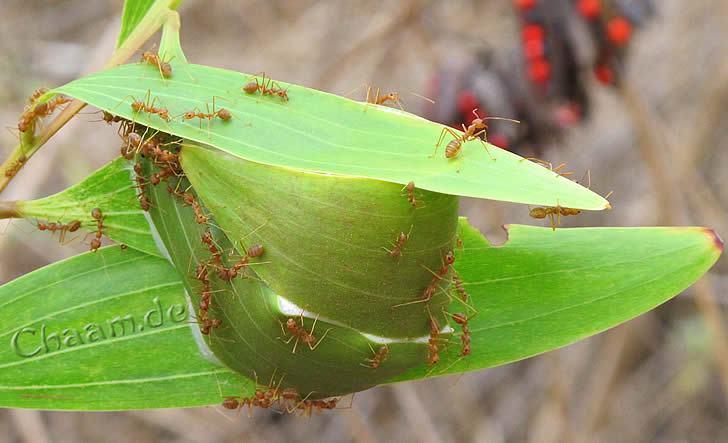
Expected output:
(715, 238)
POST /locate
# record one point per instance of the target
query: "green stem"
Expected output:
(158, 15)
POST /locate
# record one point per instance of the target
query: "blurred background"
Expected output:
(633, 92)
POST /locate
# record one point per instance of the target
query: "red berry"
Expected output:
(524, 5)
(604, 74)
(532, 32)
(619, 30)
(539, 71)
(533, 49)
(589, 9)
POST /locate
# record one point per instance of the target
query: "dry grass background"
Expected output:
(661, 143)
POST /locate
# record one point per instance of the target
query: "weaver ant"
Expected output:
(554, 213)
(462, 320)
(431, 289)
(165, 69)
(459, 287)
(149, 108)
(379, 356)
(97, 215)
(471, 132)
(433, 351)
(15, 166)
(396, 250)
(382, 99)
(222, 113)
(299, 333)
(410, 187)
(40, 110)
(72, 226)
(268, 87)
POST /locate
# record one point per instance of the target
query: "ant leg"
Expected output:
(485, 145)
(319, 340)
(445, 131)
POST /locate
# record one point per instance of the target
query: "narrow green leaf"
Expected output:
(132, 14)
(321, 132)
(104, 331)
(110, 189)
(545, 289)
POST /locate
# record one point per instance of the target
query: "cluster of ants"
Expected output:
(224, 273)
(287, 399)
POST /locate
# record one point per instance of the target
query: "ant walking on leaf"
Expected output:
(471, 132)
(300, 333)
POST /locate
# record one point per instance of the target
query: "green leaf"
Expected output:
(125, 338)
(320, 132)
(136, 10)
(251, 338)
(110, 189)
(326, 238)
(545, 289)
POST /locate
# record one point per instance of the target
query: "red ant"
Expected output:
(72, 226)
(431, 288)
(471, 132)
(554, 213)
(264, 397)
(15, 166)
(222, 113)
(165, 69)
(457, 281)
(396, 251)
(299, 333)
(40, 110)
(433, 351)
(307, 406)
(379, 356)
(149, 108)
(462, 320)
(253, 251)
(410, 187)
(266, 88)
(381, 100)
(99, 217)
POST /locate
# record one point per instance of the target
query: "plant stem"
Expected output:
(9, 210)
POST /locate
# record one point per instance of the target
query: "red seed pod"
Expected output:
(533, 32)
(589, 9)
(539, 71)
(619, 31)
(604, 74)
(524, 5)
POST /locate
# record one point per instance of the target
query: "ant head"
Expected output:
(137, 106)
(189, 115)
(449, 258)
